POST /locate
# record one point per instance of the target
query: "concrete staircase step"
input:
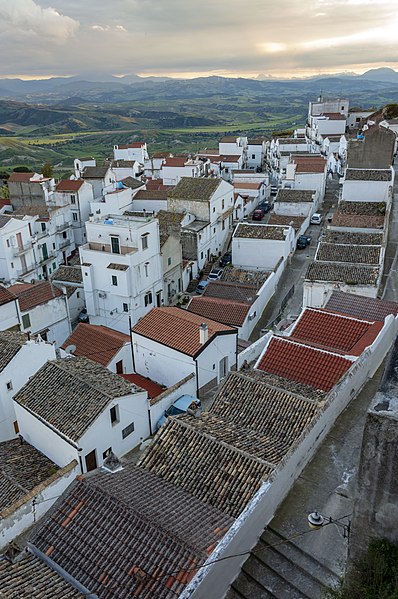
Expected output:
(271, 577)
(246, 587)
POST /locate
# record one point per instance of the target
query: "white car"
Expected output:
(215, 274)
(316, 219)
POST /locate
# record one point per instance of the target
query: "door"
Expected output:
(91, 461)
(45, 251)
(159, 299)
(119, 367)
(223, 367)
(19, 241)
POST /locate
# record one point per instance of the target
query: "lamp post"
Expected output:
(316, 521)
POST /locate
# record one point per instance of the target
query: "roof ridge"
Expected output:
(223, 443)
(302, 344)
(340, 315)
(59, 364)
(278, 389)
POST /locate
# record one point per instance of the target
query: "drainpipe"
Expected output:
(131, 344)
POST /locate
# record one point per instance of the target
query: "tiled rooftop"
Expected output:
(70, 394)
(352, 238)
(309, 164)
(357, 174)
(69, 274)
(222, 310)
(95, 172)
(132, 182)
(292, 140)
(178, 329)
(355, 254)
(231, 291)
(191, 188)
(285, 220)
(31, 295)
(138, 380)
(362, 208)
(295, 195)
(20, 177)
(10, 344)
(249, 231)
(130, 531)
(218, 474)
(361, 306)
(335, 332)
(352, 221)
(151, 194)
(31, 578)
(22, 468)
(288, 385)
(70, 185)
(5, 296)
(96, 342)
(248, 277)
(275, 415)
(313, 367)
(343, 273)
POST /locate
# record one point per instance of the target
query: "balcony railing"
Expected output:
(62, 227)
(20, 249)
(25, 271)
(64, 244)
(106, 247)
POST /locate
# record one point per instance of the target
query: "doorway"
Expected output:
(91, 461)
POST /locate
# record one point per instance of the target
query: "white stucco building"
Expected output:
(75, 409)
(136, 150)
(122, 273)
(172, 343)
(261, 247)
(78, 193)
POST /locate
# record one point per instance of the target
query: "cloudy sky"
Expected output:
(189, 38)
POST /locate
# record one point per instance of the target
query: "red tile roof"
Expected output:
(70, 185)
(303, 364)
(96, 342)
(361, 306)
(178, 329)
(6, 296)
(5, 202)
(33, 294)
(222, 310)
(230, 157)
(246, 185)
(334, 116)
(20, 177)
(335, 332)
(309, 164)
(140, 381)
(176, 161)
(134, 144)
(155, 184)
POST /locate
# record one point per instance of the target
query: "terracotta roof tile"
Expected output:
(141, 381)
(178, 161)
(361, 306)
(20, 177)
(314, 367)
(309, 164)
(354, 254)
(222, 310)
(96, 342)
(244, 294)
(295, 195)
(249, 231)
(362, 208)
(70, 185)
(29, 578)
(353, 174)
(334, 116)
(178, 329)
(31, 295)
(6, 296)
(197, 189)
(335, 332)
(130, 533)
(286, 220)
(218, 474)
(134, 144)
(352, 237)
(357, 221)
(350, 274)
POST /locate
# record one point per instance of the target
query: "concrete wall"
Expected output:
(261, 254)
(314, 294)
(214, 580)
(52, 315)
(222, 346)
(374, 151)
(251, 353)
(162, 402)
(123, 354)
(366, 191)
(294, 208)
(26, 512)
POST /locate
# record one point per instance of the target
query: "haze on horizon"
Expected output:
(179, 38)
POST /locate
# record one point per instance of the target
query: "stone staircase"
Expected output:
(206, 269)
(280, 569)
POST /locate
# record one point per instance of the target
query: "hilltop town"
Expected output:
(182, 338)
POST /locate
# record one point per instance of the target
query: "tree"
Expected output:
(21, 169)
(47, 170)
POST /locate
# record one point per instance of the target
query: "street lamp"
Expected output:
(316, 521)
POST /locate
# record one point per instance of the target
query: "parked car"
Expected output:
(226, 259)
(316, 219)
(303, 241)
(215, 274)
(83, 316)
(201, 287)
(266, 206)
(180, 406)
(258, 214)
(274, 190)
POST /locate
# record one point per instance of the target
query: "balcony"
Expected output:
(106, 247)
(21, 249)
(64, 244)
(25, 271)
(49, 256)
(63, 227)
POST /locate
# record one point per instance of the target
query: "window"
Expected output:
(114, 414)
(169, 261)
(214, 229)
(73, 199)
(106, 453)
(65, 235)
(54, 265)
(16, 427)
(214, 208)
(253, 156)
(12, 264)
(146, 267)
(201, 255)
(53, 246)
(115, 245)
(222, 204)
(223, 225)
(125, 307)
(114, 280)
(148, 298)
(144, 241)
(26, 321)
(8, 243)
(128, 430)
(74, 216)
(9, 386)
(43, 226)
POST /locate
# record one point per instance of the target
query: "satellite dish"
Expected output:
(70, 349)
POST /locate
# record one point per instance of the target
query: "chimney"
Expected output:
(203, 333)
